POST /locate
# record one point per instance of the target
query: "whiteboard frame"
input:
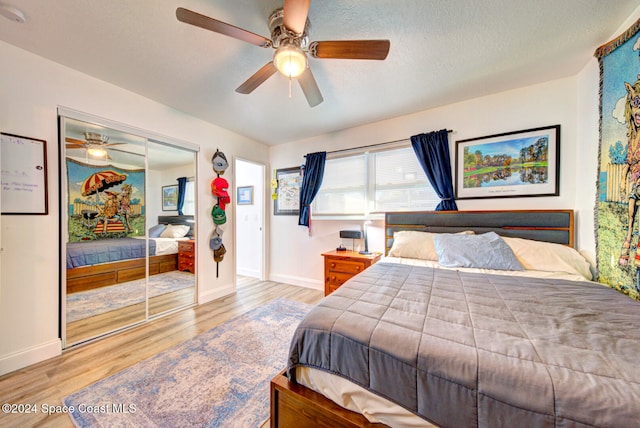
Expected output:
(32, 205)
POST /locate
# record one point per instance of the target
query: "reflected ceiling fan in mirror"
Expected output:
(95, 144)
(289, 37)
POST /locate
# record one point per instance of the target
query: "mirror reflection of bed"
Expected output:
(104, 296)
(123, 235)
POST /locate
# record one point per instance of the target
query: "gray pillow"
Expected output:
(155, 231)
(485, 251)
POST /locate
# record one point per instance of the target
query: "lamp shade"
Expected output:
(290, 60)
(351, 234)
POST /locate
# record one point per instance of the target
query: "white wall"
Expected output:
(540, 105)
(31, 89)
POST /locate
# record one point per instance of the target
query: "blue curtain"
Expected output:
(182, 187)
(311, 182)
(432, 150)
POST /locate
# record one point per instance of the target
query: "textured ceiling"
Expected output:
(441, 52)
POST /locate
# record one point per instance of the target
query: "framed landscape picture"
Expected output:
(513, 164)
(170, 198)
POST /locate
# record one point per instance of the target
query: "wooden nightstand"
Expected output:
(339, 266)
(187, 255)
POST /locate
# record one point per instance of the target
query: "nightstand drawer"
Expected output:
(336, 279)
(185, 247)
(346, 266)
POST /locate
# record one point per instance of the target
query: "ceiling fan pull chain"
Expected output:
(289, 87)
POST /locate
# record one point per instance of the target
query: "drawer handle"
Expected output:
(358, 267)
(333, 265)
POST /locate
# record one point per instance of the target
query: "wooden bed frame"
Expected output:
(95, 276)
(295, 405)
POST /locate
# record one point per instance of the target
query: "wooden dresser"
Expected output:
(187, 255)
(339, 266)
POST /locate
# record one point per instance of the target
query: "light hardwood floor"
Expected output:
(50, 381)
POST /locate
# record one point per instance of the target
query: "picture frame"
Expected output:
(244, 195)
(287, 192)
(170, 198)
(509, 165)
(24, 175)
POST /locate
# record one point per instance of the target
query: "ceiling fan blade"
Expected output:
(257, 79)
(194, 18)
(295, 15)
(350, 49)
(74, 141)
(310, 88)
(75, 146)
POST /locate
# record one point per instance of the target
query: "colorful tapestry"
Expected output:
(104, 201)
(617, 222)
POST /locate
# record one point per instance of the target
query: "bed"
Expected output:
(105, 262)
(409, 342)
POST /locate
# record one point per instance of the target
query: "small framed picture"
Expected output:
(170, 198)
(245, 195)
(287, 191)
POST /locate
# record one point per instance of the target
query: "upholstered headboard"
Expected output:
(555, 226)
(178, 219)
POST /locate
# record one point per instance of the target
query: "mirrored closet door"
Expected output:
(128, 204)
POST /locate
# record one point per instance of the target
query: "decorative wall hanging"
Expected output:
(104, 201)
(617, 223)
(512, 164)
(24, 175)
(219, 191)
(287, 201)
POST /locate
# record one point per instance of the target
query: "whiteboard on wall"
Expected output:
(24, 175)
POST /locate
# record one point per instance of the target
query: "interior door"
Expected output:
(250, 219)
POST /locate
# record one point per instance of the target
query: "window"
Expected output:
(189, 207)
(372, 183)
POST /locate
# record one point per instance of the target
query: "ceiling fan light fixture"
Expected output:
(290, 60)
(97, 152)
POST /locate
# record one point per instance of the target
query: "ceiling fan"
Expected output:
(289, 37)
(94, 143)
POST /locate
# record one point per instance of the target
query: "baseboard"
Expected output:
(217, 293)
(253, 273)
(28, 356)
(298, 280)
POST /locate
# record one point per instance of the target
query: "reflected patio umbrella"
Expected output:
(101, 181)
(96, 183)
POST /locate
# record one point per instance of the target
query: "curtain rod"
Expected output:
(375, 145)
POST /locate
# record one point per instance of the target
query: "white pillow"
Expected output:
(545, 256)
(416, 245)
(175, 231)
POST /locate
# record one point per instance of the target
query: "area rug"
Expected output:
(85, 304)
(219, 378)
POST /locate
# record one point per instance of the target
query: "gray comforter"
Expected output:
(465, 349)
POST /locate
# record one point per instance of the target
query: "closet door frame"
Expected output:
(148, 136)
